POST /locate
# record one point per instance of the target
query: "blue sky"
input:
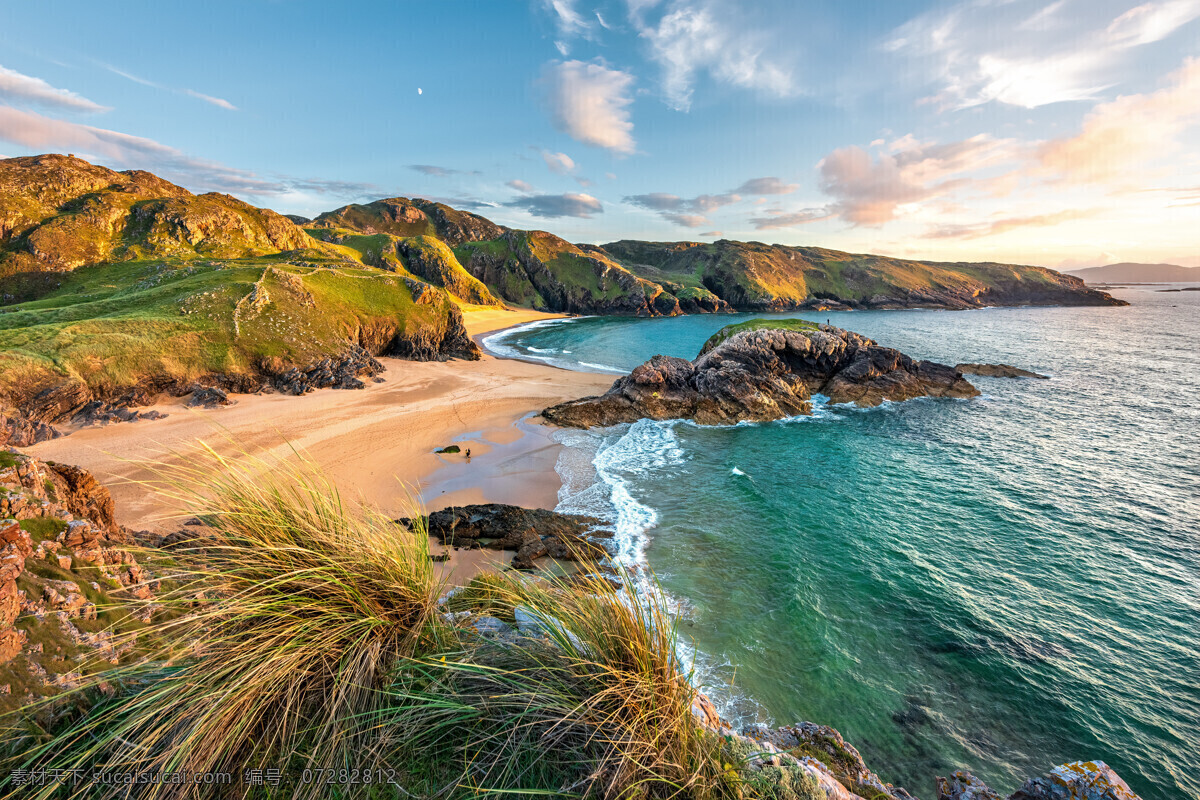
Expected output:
(1057, 132)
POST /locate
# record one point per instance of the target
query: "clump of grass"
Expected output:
(598, 705)
(313, 604)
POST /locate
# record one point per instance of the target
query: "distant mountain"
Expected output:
(1129, 272)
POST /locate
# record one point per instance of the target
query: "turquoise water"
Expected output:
(1000, 584)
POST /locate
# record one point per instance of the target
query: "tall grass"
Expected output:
(309, 606)
(595, 703)
(307, 635)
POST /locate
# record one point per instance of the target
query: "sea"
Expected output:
(1001, 584)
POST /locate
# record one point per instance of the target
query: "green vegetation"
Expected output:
(109, 327)
(40, 528)
(798, 325)
(321, 646)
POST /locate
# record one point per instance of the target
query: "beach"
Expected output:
(376, 444)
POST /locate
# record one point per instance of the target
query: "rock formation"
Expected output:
(998, 371)
(761, 374)
(531, 532)
(62, 558)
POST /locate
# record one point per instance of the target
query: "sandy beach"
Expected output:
(374, 442)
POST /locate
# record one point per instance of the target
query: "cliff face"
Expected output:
(764, 373)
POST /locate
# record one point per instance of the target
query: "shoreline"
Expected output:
(376, 444)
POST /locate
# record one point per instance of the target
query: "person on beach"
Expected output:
(468, 454)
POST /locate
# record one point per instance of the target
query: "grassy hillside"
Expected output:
(112, 327)
(756, 276)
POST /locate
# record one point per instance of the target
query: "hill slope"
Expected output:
(1129, 272)
(118, 286)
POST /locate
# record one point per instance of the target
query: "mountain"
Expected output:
(1129, 272)
(118, 286)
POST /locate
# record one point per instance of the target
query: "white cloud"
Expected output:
(16, 87)
(558, 163)
(693, 36)
(1058, 56)
(590, 103)
(208, 98)
(520, 186)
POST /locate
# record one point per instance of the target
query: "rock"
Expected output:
(764, 374)
(532, 532)
(998, 371)
(209, 397)
(17, 431)
(964, 786)
(451, 449)
(1078, 780)
(490, 626)
(84, 497)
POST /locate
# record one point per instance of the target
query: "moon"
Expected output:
(419, 90)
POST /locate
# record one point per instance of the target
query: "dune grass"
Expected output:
(306, 636)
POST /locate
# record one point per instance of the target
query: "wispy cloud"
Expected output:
(219, 102)
(519, 186)
(1058, 57)
(1118, 136)
(590, 102)
(36, 132)
(868, 190)
(690, 37)
(686, 212)
(440, 172)
(978, 231)
(216, 101)
(792, 219)
(582, 206)
(19, 88)
(761, 186)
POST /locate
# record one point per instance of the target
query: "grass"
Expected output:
(112, 326)
(798, 325)
(319, 644)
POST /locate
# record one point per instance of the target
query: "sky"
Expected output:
(1064, 133)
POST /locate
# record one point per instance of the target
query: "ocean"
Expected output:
(1000, 584)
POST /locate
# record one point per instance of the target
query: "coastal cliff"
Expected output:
(764, 370)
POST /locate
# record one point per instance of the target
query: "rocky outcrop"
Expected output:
(62, 557)
(998, 371)
(16, 431)
(764, 374)
(531, 532)
(340, 372)
(440, 338)
(1078, 780)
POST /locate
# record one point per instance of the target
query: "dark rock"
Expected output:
(99, 412)
(341, 372)
(531, 532)
(20, 432)
(764, 375)
(209, 397)
(998, 371)
(451, 449)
